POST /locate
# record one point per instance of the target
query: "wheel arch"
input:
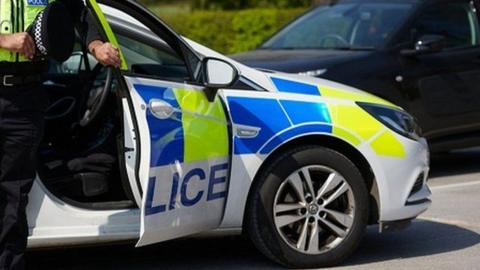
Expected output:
(338, 145)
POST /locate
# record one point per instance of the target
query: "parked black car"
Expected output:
(421, 55)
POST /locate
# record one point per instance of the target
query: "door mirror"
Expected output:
(430, 43)
(427, 44)
(218, 73)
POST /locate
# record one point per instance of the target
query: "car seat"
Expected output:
(91, 173)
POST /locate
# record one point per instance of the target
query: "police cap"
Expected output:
(53, 32)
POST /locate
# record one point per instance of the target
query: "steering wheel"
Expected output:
(335, 37)
(97, 96)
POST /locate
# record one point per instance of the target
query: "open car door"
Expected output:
(185, 156)
(176, 142)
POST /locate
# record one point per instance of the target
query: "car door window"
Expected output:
(146, 54)
(456, 21)
(152, 58)
(73, 65)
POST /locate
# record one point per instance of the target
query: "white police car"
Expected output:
(181, 140)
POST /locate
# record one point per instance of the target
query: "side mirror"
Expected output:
(427, 44)
(218, 73)
(430, 43)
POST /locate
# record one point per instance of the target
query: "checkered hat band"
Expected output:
(38, 34)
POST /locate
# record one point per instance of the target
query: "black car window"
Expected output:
(350, 25)
(456, 21)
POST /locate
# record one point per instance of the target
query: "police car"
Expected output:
(182, 141)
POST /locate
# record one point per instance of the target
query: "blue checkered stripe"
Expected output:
(38, 2)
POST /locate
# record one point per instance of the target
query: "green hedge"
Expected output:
(230, 31)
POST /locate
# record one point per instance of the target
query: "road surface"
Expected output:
(445, 237)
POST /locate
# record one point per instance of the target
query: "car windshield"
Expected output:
(343, 26)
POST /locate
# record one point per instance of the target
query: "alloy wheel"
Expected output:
(314, 209)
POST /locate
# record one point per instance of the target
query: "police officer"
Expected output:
(22, 106)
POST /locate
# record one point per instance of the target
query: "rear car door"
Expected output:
(177, 137)
(444, 85)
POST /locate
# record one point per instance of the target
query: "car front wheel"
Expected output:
(308, 209)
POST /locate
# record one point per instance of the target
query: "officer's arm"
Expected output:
(104, 52)
(19, 43)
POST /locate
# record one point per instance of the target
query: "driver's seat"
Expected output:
(92, 173)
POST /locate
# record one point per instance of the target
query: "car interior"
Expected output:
(79, 158)
(80, 163)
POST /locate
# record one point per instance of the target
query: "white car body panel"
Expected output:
(53, 222)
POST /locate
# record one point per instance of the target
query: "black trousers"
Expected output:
(21, 127)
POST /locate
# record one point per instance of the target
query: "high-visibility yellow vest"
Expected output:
(16, 16)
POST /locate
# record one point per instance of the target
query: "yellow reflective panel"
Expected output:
(355, 120)
(204, 126)
(346, 136)
(388, 145)
(327, 91)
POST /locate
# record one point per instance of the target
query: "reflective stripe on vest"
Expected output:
(18, 22)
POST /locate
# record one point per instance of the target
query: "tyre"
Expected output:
(309, 208)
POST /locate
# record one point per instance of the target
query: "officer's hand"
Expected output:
(19, 42)
(105, 53)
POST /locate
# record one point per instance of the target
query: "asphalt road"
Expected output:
(445, 237)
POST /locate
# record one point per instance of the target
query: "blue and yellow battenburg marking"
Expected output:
(282, 120)
(278, 121)
(181, 138)
(288, 86)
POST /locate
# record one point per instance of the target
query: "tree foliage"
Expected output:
(243, 4)
(232, 31)
(228, 26)
(234, 4)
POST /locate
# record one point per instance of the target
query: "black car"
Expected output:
(421, 55)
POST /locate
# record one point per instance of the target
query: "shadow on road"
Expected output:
(455, 163)
(217, 253)
(421, 239)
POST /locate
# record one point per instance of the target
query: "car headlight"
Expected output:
(399, 121)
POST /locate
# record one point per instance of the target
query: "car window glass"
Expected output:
(342, 26)
(152, 57)
(456, 21)
(145, 53)
(74, 64)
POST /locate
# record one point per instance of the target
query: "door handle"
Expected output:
(54, 84)
(161, 109)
